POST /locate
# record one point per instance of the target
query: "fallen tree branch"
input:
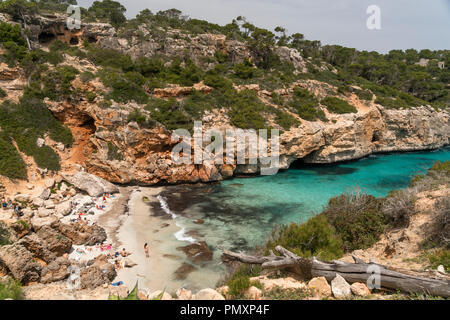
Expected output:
(359, 271)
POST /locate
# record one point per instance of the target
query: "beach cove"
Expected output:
(239, 214)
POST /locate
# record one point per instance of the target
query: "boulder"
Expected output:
(184, 294)
(38, 202)
(359, 289)
(197, 252)
(107, 268)
(92, 185)
(253, 293)
(38, 247)
(22, 198)
(44, 212)
(441, 269)
(208, 294)
(49, 183)
(340, 287)
(21, 228)
(320, 286)
(56, 270)
(38, 222)
(288, 283)
(93, 277)
(49, 204)
(64, 208)
(19, 261)
(56, 242)
(82, 234)
(40, 142)
(45, 194)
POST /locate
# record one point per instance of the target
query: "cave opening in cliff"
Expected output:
(375, 137)
(89, 124)
(74, 41)
(298, 164)
(46, 37)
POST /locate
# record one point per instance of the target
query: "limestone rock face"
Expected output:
(81, 234)
(208, 294)
(92, 277)
(107, 268)
(253, 293)
(19, 261)
(360, 289)
(340, 287)
(93, 185)
(320, 286)
(55, 241)
(56, 270)
(38, 222)
(38, 247)
(64, 208)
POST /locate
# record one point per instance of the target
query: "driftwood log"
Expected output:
(370, 273)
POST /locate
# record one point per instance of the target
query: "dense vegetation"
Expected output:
(10, 289)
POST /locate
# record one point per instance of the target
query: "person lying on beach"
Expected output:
(124, 253)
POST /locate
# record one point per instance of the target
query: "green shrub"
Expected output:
(11, 163)
(4, 234)
(357, 219)
(315, 237)
(306, 105)
(399, 206)
(25, 122)
(87, 76)
(285, 120)
(124, 86)
(114, 152)
(12, 40)
(169, 113)
(90, 95)
(239, 281)
(2, 93)
(246, 109)
(54, 84)
(244, 70)
(10, 289)
(364, 94)
(337, 105)
(278, 293)
(391, 103)
(441, 167)
(138, 117)
(440, 257)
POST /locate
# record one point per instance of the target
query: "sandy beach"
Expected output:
(166, 268)
(139, 228)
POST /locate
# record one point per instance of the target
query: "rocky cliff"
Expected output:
(108, 145)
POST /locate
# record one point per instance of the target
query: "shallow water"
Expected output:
(239, 214)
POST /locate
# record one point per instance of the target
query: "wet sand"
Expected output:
(155, 272)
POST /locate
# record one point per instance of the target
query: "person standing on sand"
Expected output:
(146, 250)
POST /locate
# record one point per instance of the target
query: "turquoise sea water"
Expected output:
(239, 214)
